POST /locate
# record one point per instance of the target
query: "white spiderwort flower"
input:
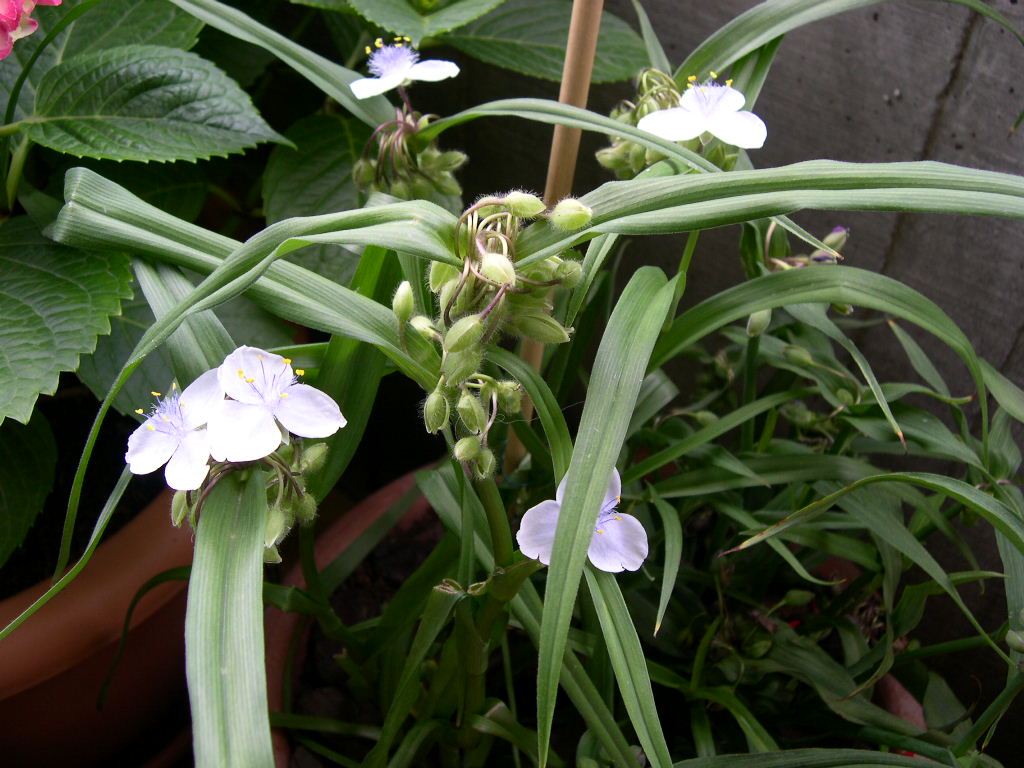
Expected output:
(708, 107)
(172, 434)
(264, 394)
(619, 541)
(396, 65)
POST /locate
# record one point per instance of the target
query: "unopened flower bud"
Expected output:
(472, 413)
(467, 449)
(425, 328)
(459, 366)
(705, 418)
(797, 413)
(843, 309)
(403, 304)
(363, 172)
(524, 205)
(179, 508)
(402, 189)
(278, 523)
(313, 457)
(837, 238)
(570, 214)
(797, 355)
(445, 183)
(464, 333)
(844, 396)
(452, 160)
(510, 396)
(435, 411)
(758, 322)
(1015, 640)
(538, 326)
(439, 274)
(570, 273)
(485, 464)
(498, 267)
(798, 597)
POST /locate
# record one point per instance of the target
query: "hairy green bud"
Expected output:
(459, 366)
(524, 205)
(472, 413)
(313, 457)
(424, 327)
(570, 214)
(485, 464)
(439, 274)
(464, 333)
(510, 396)
(797, 355)
(758, 322)
(570, 273)
(179, 508)
(435, 411)
(402, 303)
(536, 325)
(467, 449)
(498, 267)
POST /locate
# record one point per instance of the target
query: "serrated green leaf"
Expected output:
(316, 177)
(529, 36)
(56, 300)
(28, 457)
(143, 102)
(110, 24)
(402, 18)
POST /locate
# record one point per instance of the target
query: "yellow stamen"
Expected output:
(164, 419)
(250, 381)
(599, 530)
(300, 371)
(407, 39)
(368, 50)
(689, 85)
(139, 411)
(259, 357)
(729, 81)
(691, 79)
(714, 75)
(399, 45)
(241, 374)
(618, 517)
(151, 428)
(155, 394)
(379, 43)
(283, 395)
(287, 361)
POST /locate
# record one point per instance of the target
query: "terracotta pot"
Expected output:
(55, 663)
(282, 626)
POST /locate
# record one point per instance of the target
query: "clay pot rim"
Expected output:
(89, 613)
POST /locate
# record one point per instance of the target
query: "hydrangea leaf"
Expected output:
(144, 102)
(314, 178)
(402, 18)
(529, 36)
(57, 300)
(111, 23)
(28, 457)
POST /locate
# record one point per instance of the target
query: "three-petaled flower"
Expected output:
(396, 65)
(708, 107)
(267, 403)
(619, 541)
(16, 21)
(173, 435)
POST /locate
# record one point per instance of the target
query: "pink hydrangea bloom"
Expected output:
(16, 21)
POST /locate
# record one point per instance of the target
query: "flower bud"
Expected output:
(179, 508)
(459, 366)
(498, 267)
(524, 205)
(570, 273)
(313, 457)
(446, 184)
(510, 396)
(271, 556)
(464, 333)
(444, 296)
(758, 322)
(451, 160)
(363, 172)
(798, 413)
(705, 418)
(472, 413)
(797, 355)
(837, 238)
(402, 189)
(843, 309)
(845, 397)
(1015, 640)
(435, 411)
(425, 328)
(536, 325)
(798, 597)
(278, 523)
(485, 464)
(439, 274)
(402, 303)
(303, 508)
(467, 449)
(570, 214)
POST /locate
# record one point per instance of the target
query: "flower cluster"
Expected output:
(242, 411)
(619, 541)
(16, 21)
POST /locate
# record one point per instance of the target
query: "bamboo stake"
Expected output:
(584, 26)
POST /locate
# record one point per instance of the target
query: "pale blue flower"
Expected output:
(396, 65)
(267, 403)
(173, 434)
(619, 541)
(708, 107)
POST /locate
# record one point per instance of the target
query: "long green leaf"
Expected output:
(813, 758)
(224, 629)
(770, 19)
(618, 371)
(629, 664)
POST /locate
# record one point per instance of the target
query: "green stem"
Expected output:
(14, 171)
(749, 390)
(684, 267)
(992, 713)
(331, 624)
(497, 519)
